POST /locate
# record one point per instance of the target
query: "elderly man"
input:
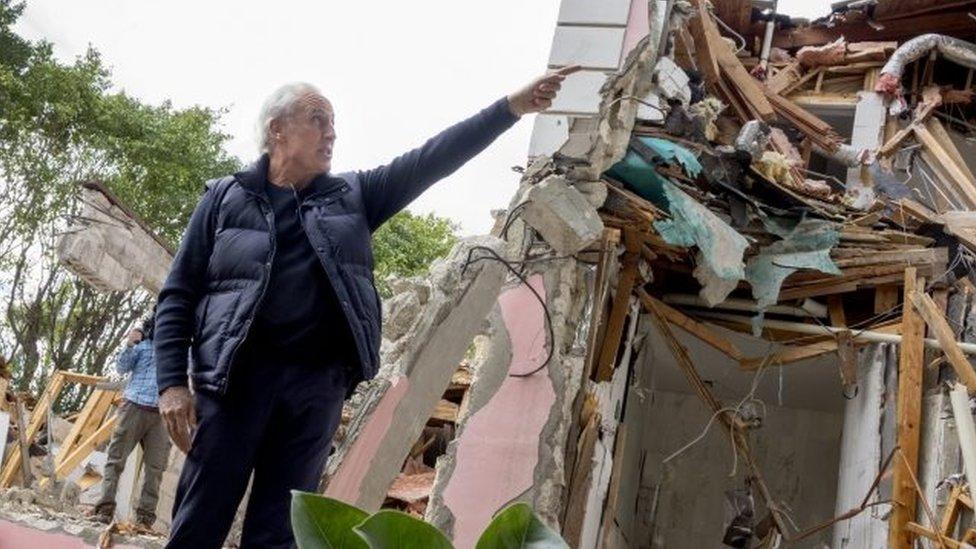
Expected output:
(272, 296)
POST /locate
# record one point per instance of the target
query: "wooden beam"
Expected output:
(919, 530)
(909, 416)
(23, 444)
(790, 354)
(835, 307)
(87, 422)
(37, 419)
(620, 306)
(693, 327)
(958, 176)
(81, 451)
(943, 333)
(954, 24)
(83, 379)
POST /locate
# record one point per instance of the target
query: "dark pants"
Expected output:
(144, 426)
(275, 420)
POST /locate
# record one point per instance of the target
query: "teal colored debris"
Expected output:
(671, 152)
(806, 247)
(643, 178)
(720, 247)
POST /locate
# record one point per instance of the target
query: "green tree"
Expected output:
(407, 244)
(60, 123)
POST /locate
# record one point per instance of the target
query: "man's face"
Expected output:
(306, 137)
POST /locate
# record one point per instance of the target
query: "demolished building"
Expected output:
(730, 304)
(767, 342)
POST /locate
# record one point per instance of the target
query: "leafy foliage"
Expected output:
(325, 523)
(60, 123)
(407, 244)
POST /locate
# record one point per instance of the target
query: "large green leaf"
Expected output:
(517, 527)
(324, 523)
(389, 529)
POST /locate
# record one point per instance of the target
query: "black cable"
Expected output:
(494, 256)
(510, 218)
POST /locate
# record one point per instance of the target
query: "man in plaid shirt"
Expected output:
(139, 423)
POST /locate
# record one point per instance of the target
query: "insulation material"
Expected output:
(707, 110)
(833, 53)
(953, 49)
(775, 166)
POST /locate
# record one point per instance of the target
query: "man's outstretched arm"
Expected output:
(388, 189)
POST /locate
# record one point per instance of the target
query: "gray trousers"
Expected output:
(137, 426)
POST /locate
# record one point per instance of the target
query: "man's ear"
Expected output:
(275, 127)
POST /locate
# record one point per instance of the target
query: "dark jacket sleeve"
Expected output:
(388, 189)
(179, 296)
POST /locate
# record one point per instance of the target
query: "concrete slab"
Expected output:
(591, 47)
(588, 12)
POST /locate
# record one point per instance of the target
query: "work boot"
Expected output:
(145, 520)
(103, 512)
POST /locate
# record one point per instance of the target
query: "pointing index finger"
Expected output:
(568, 70)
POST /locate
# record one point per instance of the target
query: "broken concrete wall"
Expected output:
(109, 250)
(512, 434)
(416, 371)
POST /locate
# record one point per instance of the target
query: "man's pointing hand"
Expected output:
(538, 95)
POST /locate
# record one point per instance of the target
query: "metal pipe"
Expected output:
(821, 330)
(768, 38)
(810, 308)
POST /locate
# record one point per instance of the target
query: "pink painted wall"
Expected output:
(638, 26)
(498, 451)
(346, 484)
(18, 536)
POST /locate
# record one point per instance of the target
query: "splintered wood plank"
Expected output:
(951, 513)
(958, 177)
(608, 246)
(23, 444)
(943, 333)
(909, 415)
(939, 131)
(620, 306)
(919, 530)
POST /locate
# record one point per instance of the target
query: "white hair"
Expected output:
(280, 104)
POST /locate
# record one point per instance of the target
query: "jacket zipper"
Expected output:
(264, 286)
(301, 220)
(269, 215)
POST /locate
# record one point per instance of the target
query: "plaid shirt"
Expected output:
(138, 361)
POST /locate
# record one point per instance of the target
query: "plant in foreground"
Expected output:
(325, 523)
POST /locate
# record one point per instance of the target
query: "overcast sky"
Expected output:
(396, 72)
